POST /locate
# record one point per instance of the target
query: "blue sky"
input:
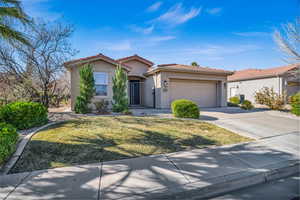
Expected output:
(229, 34)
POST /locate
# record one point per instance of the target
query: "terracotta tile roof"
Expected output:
(260, 73)
(93, 58)
(188, 68)
(136, 57)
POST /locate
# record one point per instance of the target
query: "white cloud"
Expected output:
(154, 7)
(118, 46)
(252, 34)
(40, 9)
(222, 50)
(162, 38)
(214, 11)
(178, 15)
(146, 30)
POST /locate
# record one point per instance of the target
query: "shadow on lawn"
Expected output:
(81, 150)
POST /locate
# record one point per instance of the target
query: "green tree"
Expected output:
(11, 10)
(120, 98)
(194, 64)
(87, 89)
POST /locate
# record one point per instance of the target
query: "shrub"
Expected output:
(8, 141)
(23, 115)
(87, 89)
(246, 105)
(127, 112)
(267, 96)
(120, 102)
(102, 106)
(81, 105)
(234, 100)
(295, 103)
(185, 108)
(232, 104)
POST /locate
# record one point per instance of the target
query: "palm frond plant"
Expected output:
(11, 10)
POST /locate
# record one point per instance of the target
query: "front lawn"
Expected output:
(94, 139)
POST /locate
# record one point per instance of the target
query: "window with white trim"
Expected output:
(101, 82)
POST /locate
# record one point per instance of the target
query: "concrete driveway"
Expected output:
(257, 123)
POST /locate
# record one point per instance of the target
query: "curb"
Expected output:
(216, 186)
(21, 146)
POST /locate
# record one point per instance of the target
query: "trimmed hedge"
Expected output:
(23, 115)
(295, 103)
(8, 141)
(234, 100)
(246, 105)
(185, 108)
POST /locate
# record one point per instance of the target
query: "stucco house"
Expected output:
(150, 86)
(284, 80)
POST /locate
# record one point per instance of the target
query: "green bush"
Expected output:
(87, 89)
(120, 99)
(8, 141)
(81, 106)
(234, 100)
(232, 104)
(102, 106)
(295, 103)
(127, 112)
(23, 115)
(185, 108)
(246, 105)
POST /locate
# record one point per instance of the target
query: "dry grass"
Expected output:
(95, 139)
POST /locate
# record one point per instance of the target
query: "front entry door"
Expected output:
(134, 92)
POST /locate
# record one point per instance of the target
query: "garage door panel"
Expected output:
(204, 93)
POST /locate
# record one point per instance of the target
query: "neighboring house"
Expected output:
(150, 86)
(284, 80)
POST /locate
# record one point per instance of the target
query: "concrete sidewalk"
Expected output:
(181, 175)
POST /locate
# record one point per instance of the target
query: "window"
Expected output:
(101, 81)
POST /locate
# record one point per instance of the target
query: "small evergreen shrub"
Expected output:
(232, 104)
(87, 89)
(81, 105)
(8, 141)
(295, 103)
(246, 105)
(185, 108)
(127, 112)
(102, 106)
(23, 115)
(120, 99)
(234, 100)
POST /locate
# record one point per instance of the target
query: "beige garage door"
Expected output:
(204, 93)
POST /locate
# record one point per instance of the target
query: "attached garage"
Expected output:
(204, 93)
(203, 85)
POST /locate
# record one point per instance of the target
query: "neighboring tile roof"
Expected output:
(188, 68)
(136, 57)
(94, 58)
(260, 73)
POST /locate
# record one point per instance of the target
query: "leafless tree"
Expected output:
(33, 70)
(288, 40)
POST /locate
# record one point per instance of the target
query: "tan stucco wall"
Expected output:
(249, 87)
(98, 66)
(163, 94)
(137, 67)
(148, 96)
